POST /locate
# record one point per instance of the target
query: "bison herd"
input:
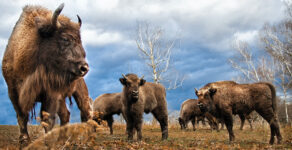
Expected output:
(44, 62)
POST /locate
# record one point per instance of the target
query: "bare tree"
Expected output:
(156, 52)
(253, 69)
(277, 42)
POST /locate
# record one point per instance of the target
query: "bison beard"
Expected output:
(139, 96)
(43, 59)
(225, 98)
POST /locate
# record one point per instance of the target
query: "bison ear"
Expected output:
(142, 82)
(45, 28)
(123, 81)
(212, 91)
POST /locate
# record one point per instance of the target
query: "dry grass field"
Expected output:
(85, 136)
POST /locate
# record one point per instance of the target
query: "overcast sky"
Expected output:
(206, 29)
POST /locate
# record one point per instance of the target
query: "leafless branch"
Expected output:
(156, 53)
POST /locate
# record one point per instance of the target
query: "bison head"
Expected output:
(182, 123)
(205, 98)
(131, 83)
(60, 47)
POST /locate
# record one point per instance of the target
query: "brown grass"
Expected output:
(92, 136)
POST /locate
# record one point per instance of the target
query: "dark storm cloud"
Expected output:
(205, 30)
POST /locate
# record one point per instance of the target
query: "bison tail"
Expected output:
(274, 100)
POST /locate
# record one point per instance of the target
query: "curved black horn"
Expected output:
(56, 14)
(79, 21)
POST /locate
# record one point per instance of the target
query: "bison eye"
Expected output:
(65, 41)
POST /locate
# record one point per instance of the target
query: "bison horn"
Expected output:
(79, 21)
(196, 90)
(124, 76)
(142, 77)
(56, 14)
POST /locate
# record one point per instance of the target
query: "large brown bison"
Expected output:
(139, 96)
(42, 62)
(108, 105)
(225, 98)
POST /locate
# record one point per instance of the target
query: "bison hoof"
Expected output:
(279, 141)
(164, 137)
(24, 140)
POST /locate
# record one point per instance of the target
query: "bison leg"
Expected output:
(138, 127)
(162, 117)
(194, 123)
(250, 123)
(22, 118)
(203, 121)
(49, 108)
(229, 125)
(63, 113)
(83, 103)
(110, 121)
(130, 128)
(271, 118)
(242, 119)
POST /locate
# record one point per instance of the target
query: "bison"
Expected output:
(108, 105)
(225, 98)
(190, 112)
(139, 96)
(42, 62)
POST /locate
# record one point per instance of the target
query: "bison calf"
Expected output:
(108, 105)
(139, 96)
(225, 98)
(190, 111)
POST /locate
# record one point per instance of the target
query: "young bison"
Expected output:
(42, 61)
(227, 97)
(190, 111)
(108, 105)
(139, 96)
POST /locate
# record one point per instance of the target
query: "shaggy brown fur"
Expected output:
(83, 101)
(108, 105)
(42, 61)
(139, 96)
(223, 99)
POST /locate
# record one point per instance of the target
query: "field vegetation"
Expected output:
(92, 136)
